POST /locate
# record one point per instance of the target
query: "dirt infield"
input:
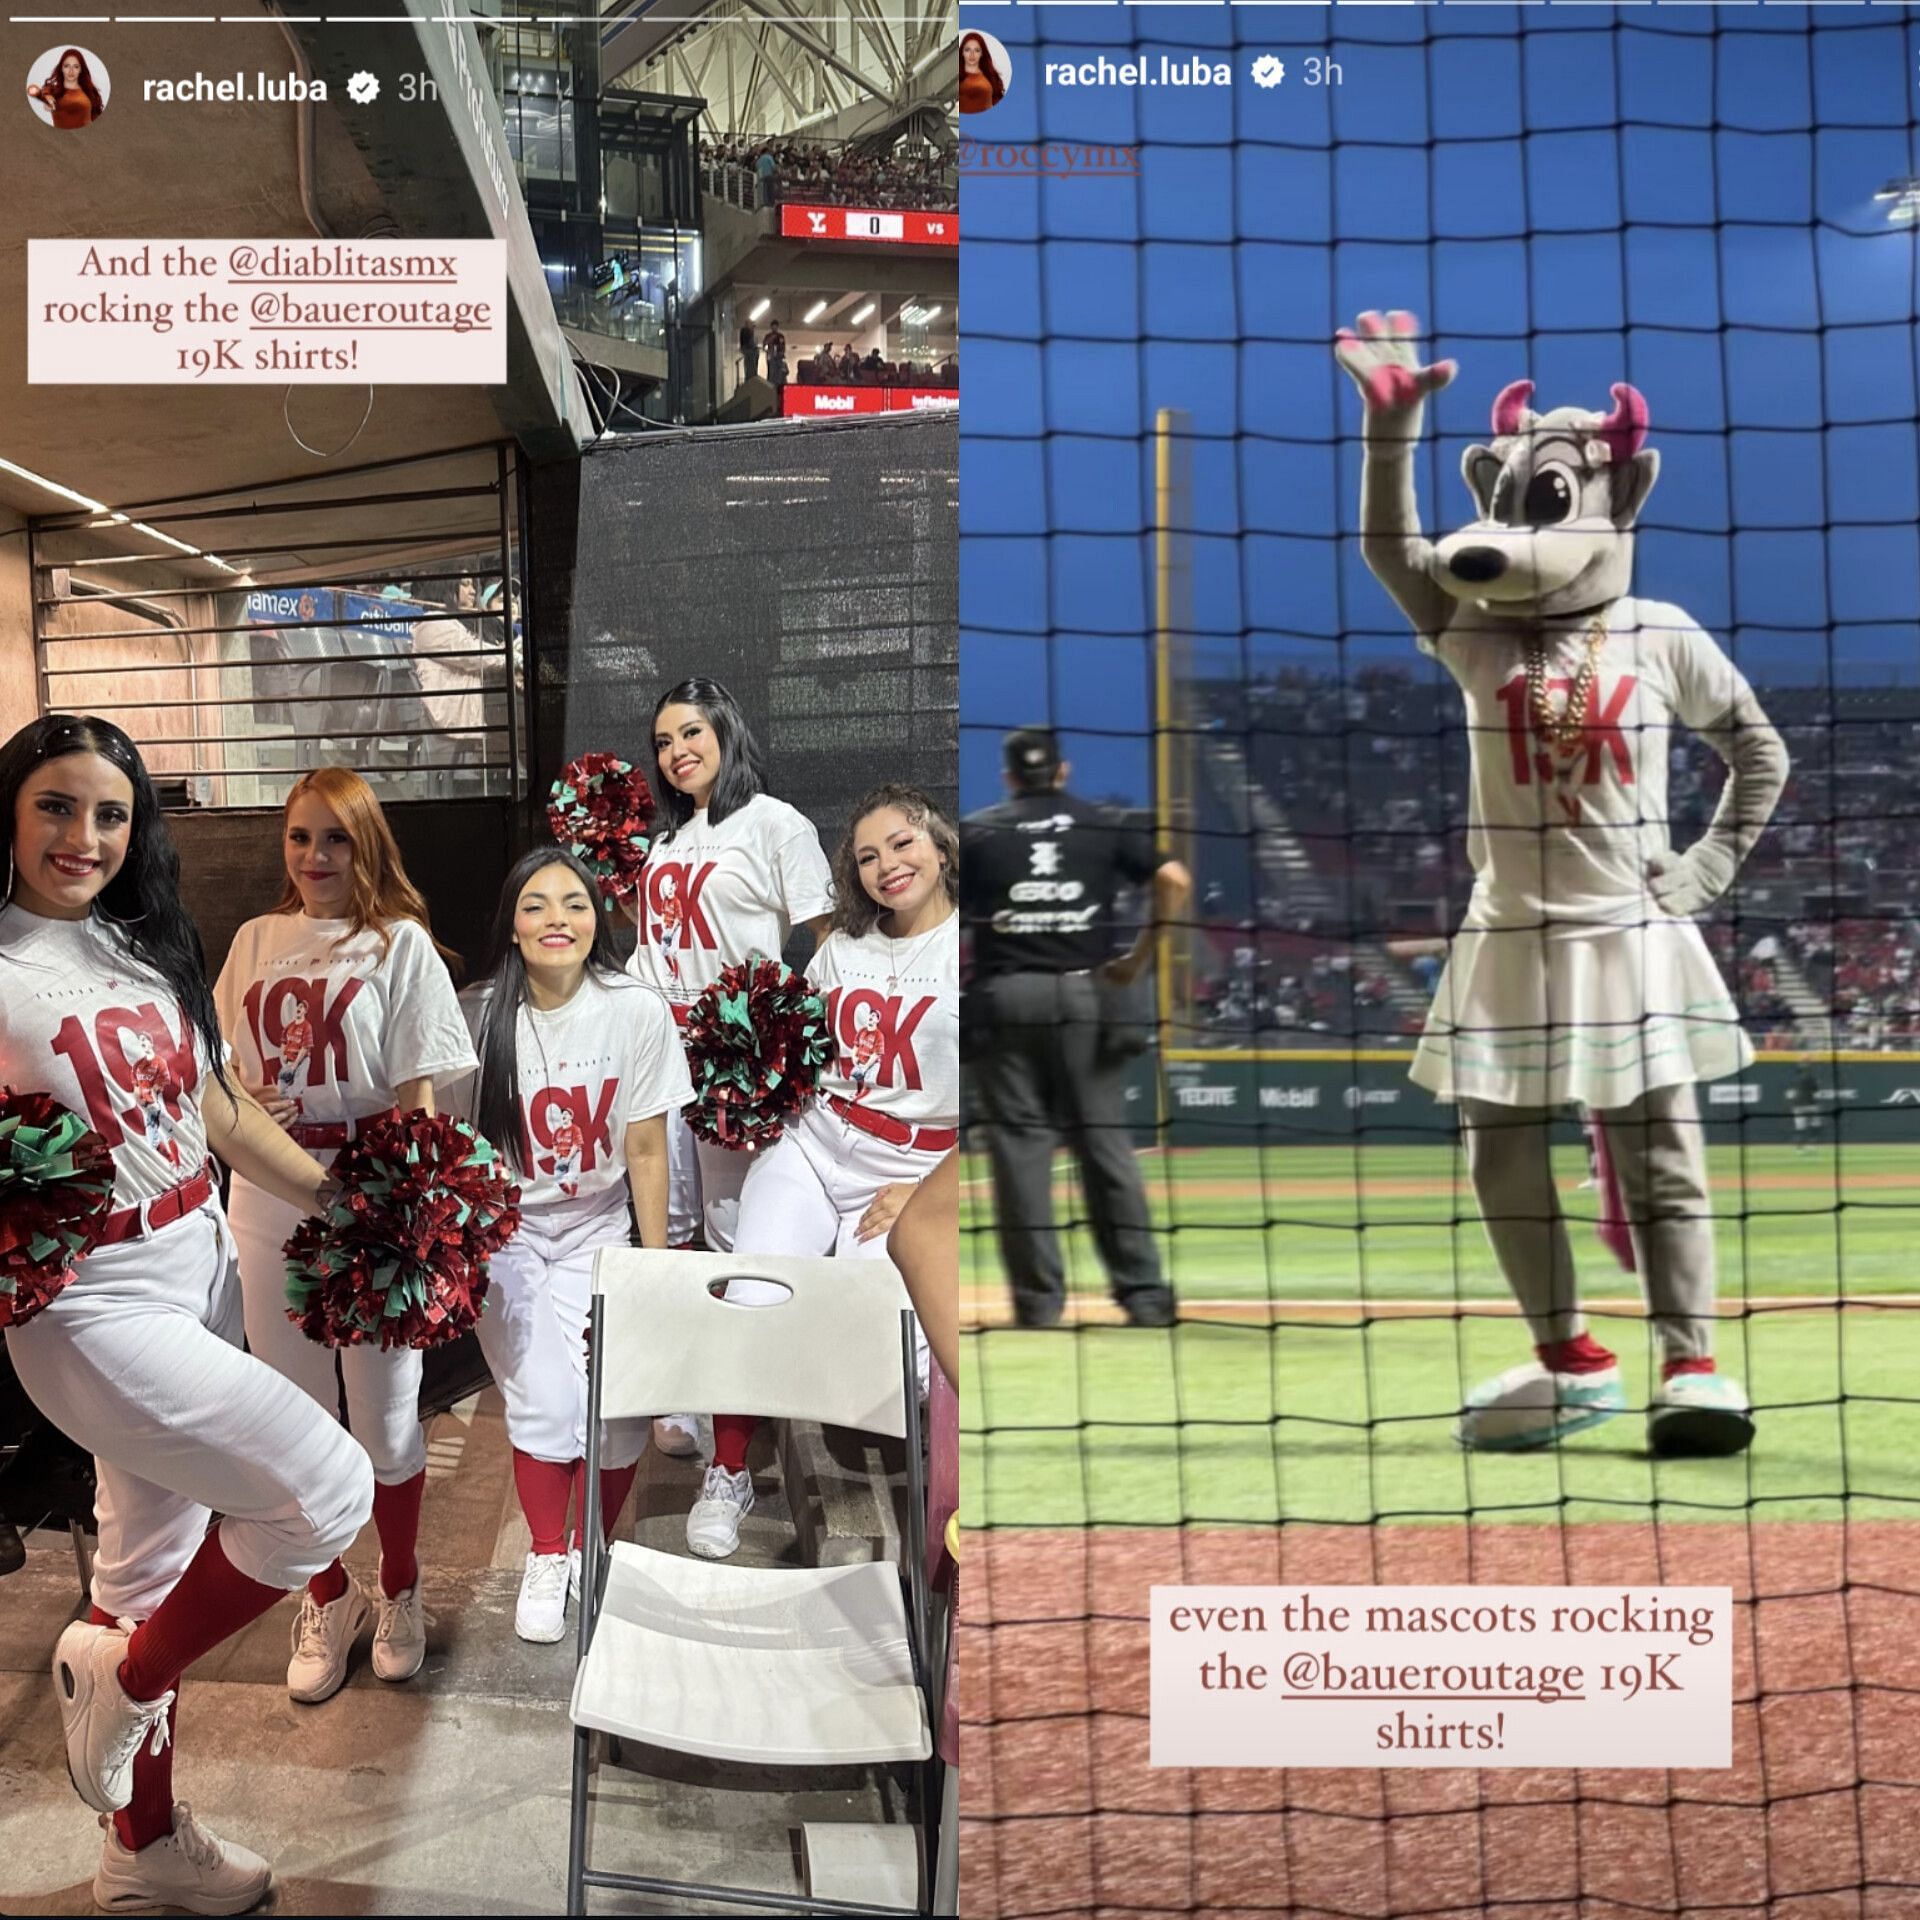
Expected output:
(989, 1307)
(1818, 1818)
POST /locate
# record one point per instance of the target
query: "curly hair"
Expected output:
(855, 910)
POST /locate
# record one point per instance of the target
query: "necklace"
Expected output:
(1564, 731)
(896, 966)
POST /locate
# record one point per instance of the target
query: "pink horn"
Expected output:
(1509, 404)
(1625, 428)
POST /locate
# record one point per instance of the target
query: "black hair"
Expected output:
(496, 1100)
(142, 901)
(743, 772)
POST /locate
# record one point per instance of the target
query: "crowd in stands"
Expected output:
(846, 368)
(1368, 776)
(763, 173)
(1265, 987)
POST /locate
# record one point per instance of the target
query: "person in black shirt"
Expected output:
(1038, 876)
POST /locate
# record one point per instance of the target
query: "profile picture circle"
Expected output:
(985, 72)
(68, 87)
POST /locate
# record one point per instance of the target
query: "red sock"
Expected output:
(732, 1432)
(212, 1600)
(1582, 1354)
(1674, 1368)
(148, 1816)
(544, 1487)
(328, 1585)
(396, 1518)
(615, 1484)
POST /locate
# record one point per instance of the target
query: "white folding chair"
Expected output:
(810, 1666)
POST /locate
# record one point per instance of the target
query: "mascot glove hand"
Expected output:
(1689, 883)
(1381, 361)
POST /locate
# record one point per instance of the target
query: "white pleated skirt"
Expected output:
(1533, 1017)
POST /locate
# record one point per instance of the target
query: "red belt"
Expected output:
(896, 1133)
(335, 1133)
(131, 1223)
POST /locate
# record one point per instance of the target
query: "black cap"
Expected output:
(1033, 756)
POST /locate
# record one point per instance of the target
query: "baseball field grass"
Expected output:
(1341, 1300)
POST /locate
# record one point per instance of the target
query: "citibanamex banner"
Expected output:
(828, 402)
(1238, 1099)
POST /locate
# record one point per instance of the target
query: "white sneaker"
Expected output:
(540, 1614)
(104, 1728)
(399, 1635)
(677, 1435)
(1528, 1407)
(323, 1640)
(190, 1868)
(573, 1576)
(713, 1527)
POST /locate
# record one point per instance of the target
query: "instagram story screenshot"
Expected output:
(1440, 663)
(480, 963)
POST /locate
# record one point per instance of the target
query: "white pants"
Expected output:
(703, 1187)
(534, 1336)
(806, 1195)
(139, 1361)
(383, 1389)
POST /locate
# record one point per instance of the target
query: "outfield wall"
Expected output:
(1328, 1099)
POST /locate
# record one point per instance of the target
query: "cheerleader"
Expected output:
(1579, 974)
(344, 979)
(139, 1359)
(889, 1106)
(580, 1068)
(731, 873)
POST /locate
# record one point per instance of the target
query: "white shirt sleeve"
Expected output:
(802, 875)
(426, 1037)
(462, 1096)
(657, 1078)
(228, 989)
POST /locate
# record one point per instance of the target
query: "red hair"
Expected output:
(382, 893)
(58, 80)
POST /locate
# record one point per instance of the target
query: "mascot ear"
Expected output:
(1632, 482)
(1481, 468)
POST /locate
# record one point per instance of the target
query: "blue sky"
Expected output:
(1679, 196)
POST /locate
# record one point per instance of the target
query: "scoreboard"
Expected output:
(883, 226)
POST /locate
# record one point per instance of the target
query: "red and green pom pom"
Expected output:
(757, 1042)
(56, 1190)
(401, 1258)
(602, 812)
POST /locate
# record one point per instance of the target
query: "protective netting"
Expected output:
(809, 568)
(1716, 207)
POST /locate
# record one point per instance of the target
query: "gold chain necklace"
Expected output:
(1565, 732)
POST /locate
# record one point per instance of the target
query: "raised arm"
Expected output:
(1382, 363)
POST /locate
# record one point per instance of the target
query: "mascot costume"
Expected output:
(1578, 973)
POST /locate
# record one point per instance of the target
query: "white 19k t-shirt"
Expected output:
(711, 896)
(587, 1072)
(895, 1010)
(1562, 840)
(331, 1023)
(81, 1019)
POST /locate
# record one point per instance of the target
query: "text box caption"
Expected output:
(266, 312)
(1442, 1677)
